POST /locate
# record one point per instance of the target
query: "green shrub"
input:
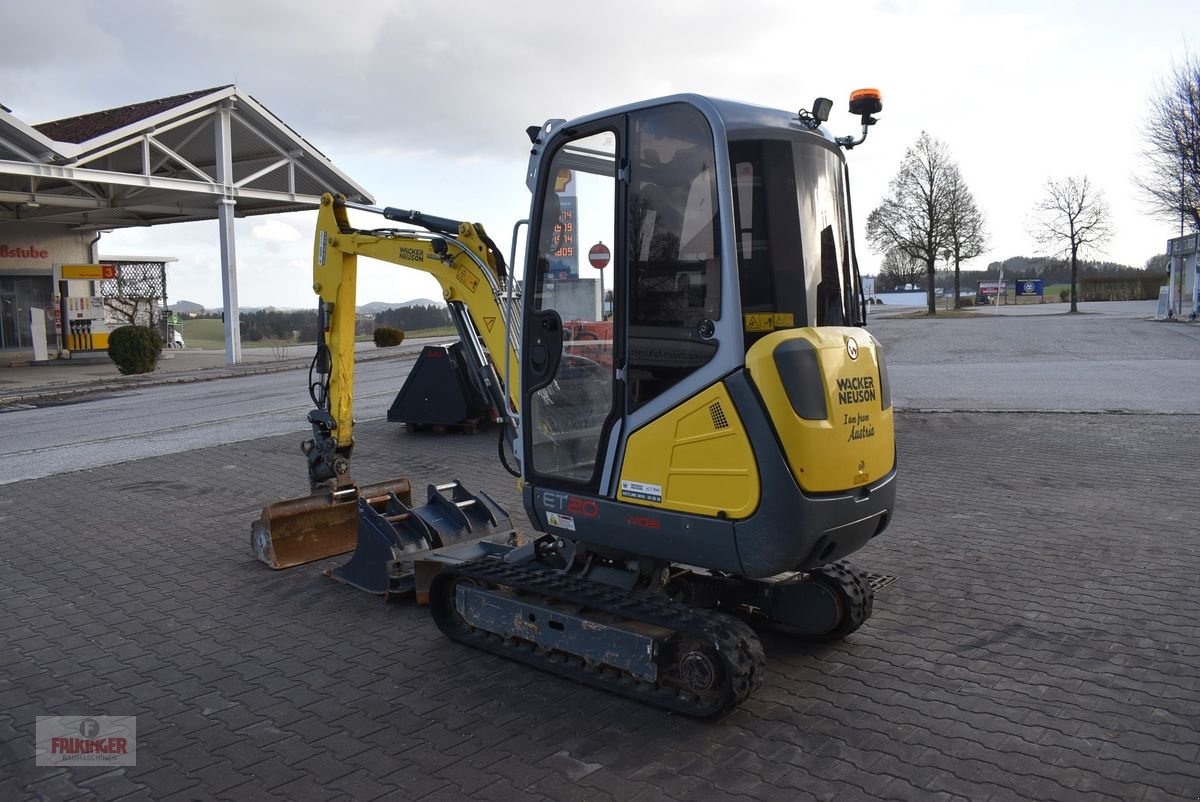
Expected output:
(386, 336)
(134, 349)
(1064, 295)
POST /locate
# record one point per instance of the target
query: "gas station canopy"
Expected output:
(162, 161)
(205, 155)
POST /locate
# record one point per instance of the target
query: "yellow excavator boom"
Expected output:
(475, 284)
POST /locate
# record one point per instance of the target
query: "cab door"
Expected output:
(567, 364)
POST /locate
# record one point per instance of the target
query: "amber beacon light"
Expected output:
(864, 103)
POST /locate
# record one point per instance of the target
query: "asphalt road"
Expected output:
(1111, 358)
(155, 421)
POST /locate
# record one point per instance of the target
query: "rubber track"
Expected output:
(733, 640)
(857, 595)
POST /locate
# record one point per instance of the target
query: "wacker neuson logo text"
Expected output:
(86, 740)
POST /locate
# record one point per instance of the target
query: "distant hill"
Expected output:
(375, 307)
(186, 308)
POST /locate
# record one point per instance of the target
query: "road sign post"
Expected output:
(598, 257)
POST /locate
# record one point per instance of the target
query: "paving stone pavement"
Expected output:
(1040, 642)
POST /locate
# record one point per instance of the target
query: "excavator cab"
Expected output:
(733, 387)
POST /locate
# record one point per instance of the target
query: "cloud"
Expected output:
(426, 104)
(48, 62)
(275, 230)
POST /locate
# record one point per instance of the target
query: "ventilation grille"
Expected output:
(718, 415)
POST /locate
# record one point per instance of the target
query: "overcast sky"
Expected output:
(425, 103)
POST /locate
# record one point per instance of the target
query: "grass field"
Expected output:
(210, 334)
(204, 334)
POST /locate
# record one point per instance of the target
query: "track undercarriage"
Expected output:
(669, 635)
(645, 642)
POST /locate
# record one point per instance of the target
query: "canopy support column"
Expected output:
(229, 291)
(225, 219)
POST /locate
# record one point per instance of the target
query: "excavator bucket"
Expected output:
(301, 530)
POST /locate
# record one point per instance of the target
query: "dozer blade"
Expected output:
(325, 524)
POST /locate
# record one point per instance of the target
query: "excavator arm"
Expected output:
(477, 289)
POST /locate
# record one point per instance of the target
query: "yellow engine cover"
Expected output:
(696, 458)
(852, 442)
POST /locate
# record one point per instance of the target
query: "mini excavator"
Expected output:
(697, 449)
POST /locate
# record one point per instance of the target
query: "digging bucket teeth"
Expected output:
(301, 530)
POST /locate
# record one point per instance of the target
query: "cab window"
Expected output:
(675, 271)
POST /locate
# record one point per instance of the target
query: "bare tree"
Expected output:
(913, 217)
(899, 269)
(1159, 263)
(1071, 219)
(1171, 181)
(135, 310)
(966, 237)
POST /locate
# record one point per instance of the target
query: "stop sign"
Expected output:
(599, 255)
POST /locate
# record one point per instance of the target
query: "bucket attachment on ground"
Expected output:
(324, 524)
(440, 391)
(393, 535)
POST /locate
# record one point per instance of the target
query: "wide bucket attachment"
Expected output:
(393, 535)
(324, 524)
(440, 391)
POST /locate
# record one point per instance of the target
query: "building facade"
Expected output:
(29, 256)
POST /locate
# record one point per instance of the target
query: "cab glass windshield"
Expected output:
(791, 235)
